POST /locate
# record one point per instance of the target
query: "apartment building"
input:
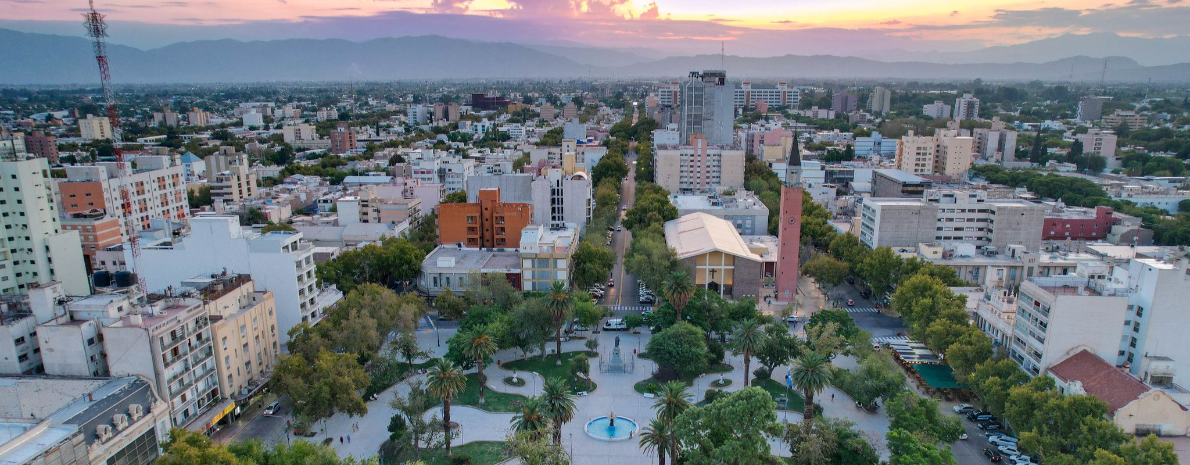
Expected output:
(956, 216)
(298, 134)
(898, 183)
(995, 144)
(1099, 142)
(20, 316)
(699, 167)
(569, 111)
(35, 249)
(1153, 346)
(946, 153)
(326, 114)
(230, 176)
(742, 209)
(1058, 316)
(95, 128)
(42, 145)
(97, 231)
(880, 102)
(342, 139)
(198, 117)
(782, 95)
(844, 102)
(1090, 109)
(936, 110)
(546, 255)
(279, 261)
(244, 331)
(966, 107)
(369, 206)
(488, 223)
(82, 421)
(669, 93)
(168, 342)
(708, 107)
(557, 198)
(995, 315)
(252, 119)
(1130, 119)
(156, 186)
(165, 117)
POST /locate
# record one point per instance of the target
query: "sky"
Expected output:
(741, 27)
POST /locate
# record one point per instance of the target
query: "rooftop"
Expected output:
(742, 200)
(699, 233)
(1100, 379)
(902, 176)
(445, 258)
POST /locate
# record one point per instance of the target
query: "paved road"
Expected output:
(625, 294)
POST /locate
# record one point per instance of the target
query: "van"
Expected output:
(615, 324)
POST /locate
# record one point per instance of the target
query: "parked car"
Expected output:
(992, 455)
(1008, 450)
(990, 426)
(999, 440)
(273, 408)
(615, 324)
(619, 228)
(974, 416)
(851, 280)
(963, 436)
(963, 408)
(792, 319)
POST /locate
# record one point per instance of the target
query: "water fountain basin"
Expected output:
(603, 429)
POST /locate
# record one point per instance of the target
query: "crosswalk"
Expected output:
(889, 339)
(629, 308)
(862, 310)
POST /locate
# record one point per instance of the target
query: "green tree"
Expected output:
(200, 196)
(733, 429)
(922, 300)
(1149, 451)
(681, 348)
(592, 262)
(876, 377)
(971, 349)
(846, 326)
(405, 346)
(910, 412)
(827, 271)
(779, 348)
(879, 270)
(479, 345)
(283, 227)
(656, 438)
(449, 305)
(420, 431)
(445, 382)
(748, 338)
(580, 366)
(559, 304)
(992, 380)
(531, 417)
(532, 449)
(189, 448)
(320, 387)
(388, 263)
(677, 290)
(907, 449)
(455, 197)
(810, 374)
(559, 405)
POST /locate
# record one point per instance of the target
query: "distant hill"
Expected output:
(50, 59)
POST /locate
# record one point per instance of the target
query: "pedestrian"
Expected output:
(340, 439)
(349, 439)
(832, 397)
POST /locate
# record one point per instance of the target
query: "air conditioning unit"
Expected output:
(120, 420)
(104, 432)
(136, 411)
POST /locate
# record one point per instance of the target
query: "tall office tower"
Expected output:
(708, 107)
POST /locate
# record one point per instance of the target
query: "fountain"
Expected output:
(611, 428)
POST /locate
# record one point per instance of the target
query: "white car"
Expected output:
(273, 408)
(962, 408)
(1002, 440)
(615, 324)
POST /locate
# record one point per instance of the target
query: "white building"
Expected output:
(780, 96)
(546, 255)
(936, 110)
(966, 107)
(1154, 345)
(951, 216)
(699, 167)
(997, 144)
(1058, 316)
(281, 262)
(253, 119)
(880, 101)
(1100, 142)
(298, 134)
(95, 128)
(36, 249)
(742, 209)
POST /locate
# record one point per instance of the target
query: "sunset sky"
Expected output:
(748, 27)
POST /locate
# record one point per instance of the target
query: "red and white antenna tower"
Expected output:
(97, 30)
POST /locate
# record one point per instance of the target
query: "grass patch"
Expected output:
(480, 452)
(796, 402)
(714, 368)
(391, 371)
(641, 386)
(492, 401)
(548, 368)
(720, 367)
(514, 382)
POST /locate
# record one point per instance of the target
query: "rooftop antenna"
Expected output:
(1103, 75)
(722, 55)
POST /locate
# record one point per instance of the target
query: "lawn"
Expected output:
(714, 368)
(492, 401)
(481, 453)
(548, 368)
(778, 390)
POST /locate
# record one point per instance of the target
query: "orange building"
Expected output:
(487, 224)
(97, 231)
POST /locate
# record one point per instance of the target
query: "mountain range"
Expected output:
(54, 60)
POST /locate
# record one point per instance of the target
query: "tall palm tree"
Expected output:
(655, 437)
(532, 417)
(746, 340)
(811, 374)
(478, 344)
(677, 289)
(559, 303)
(672, 400)
(559, 405)
(445, 381)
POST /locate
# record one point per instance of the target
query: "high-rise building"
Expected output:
(880, 101)
(230, 177)
(747, 96)
(446, 113)
(669, 93)
(42, 145)
(244, 331)
(35, 250)
(342, 139)
(946, 153)
(966, 107)
(708, 108)
(156, 187)
(699, 167)
(843, 102)
(165, 117)
(299, 133)
(546, 254)
(936, 110)
(996, 144)
(1057, 314)
(1129, 119)
(253, 119)
(327, 114)
(487, 224)
(570, 111)
(95, 128)
(789, 239)
(197, 117)
(1090, 109)
(1099, 142)
(951, 216)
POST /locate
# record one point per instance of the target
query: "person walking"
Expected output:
(340, 439)
(349, 439)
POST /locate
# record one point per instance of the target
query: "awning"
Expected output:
(211, 417)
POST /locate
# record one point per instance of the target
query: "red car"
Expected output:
(611, 283)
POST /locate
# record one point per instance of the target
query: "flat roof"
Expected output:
(471, 259)
(903, 176)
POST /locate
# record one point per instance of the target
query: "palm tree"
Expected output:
(478, 344)
(559, 405)
(655, 437)
(559, 303)
(445, 382)
(677, 289)
(532, 417)
(811, 374)
(747, 340)
(672, 400)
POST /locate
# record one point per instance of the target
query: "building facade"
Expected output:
(36, 249)
(487, 224)
(708, 108)
(699, 167)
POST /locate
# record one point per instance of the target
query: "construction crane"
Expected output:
(97, 30)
